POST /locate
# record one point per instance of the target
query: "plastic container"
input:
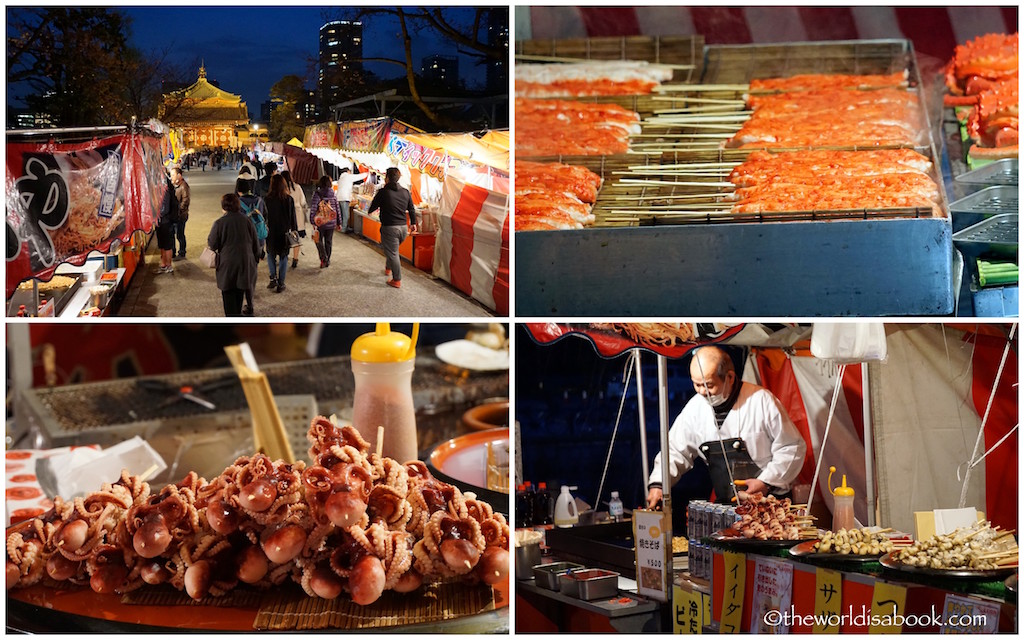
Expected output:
(842, 507)
(566, 514)
(382, 363)
(615, 508)
(543, 505)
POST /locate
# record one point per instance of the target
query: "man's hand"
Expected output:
(654, 497)
(412, 228)
(755, 486)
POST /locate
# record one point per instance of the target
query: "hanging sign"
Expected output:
(65, 200)
(364, 135)
(828, 600)
(689, 611)
(735, 584)
(429, 161)
(773, 596)
(966, 615)
(652, 554)
(888, 607)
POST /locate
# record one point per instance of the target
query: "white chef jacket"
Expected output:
(345, 182)
(757, 417)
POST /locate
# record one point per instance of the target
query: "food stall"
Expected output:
(80, 206)
(889, 417)
(673, 205)
(216, 423)
(459, 183)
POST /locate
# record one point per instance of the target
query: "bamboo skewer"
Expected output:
(685, 88)
(538, 58)
(670, 183)
(684, 118)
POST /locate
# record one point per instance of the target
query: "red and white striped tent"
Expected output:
(471, 250)
(934, 31)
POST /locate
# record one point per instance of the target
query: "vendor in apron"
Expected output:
(762, 447)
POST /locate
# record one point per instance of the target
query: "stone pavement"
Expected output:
(352, 286)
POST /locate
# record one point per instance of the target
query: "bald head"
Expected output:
(712, 373)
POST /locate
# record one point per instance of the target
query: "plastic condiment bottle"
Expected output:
(842, 505)
(382, 363)
(542, 505)
(615, 508)
(565, 509)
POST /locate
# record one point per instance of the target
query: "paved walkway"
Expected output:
(352, 286)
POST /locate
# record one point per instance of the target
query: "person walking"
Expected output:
(280, 220)
(233, 237)
(345, 182)
(165, 227)
(255, 209)
(323, 213)
(394, 202)
(301, 211)
(263, 184)
(184, 194)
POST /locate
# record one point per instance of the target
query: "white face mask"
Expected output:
(717, 400)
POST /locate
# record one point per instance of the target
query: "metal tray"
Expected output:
(889, 561)
(805, 551)
(589, 584)
(546, 575)
(730, 537)
(1000, 172)
(983, 204)
(995, 236)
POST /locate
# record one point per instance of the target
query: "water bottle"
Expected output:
(382, 363)
(615, 508)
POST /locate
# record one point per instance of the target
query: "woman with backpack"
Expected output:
(323, 213)
(169, 210)
(301, 213)
(280, 220)
(233, 237)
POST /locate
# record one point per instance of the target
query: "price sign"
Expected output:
(964, 615)
(689, 611)
(652, 554)
(773, 594)
(735, 583)
(887, 602)
(828, 600)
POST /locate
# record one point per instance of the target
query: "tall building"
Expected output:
(497, 35)
(341, 49)
(441, 69)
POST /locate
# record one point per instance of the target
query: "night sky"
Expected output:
(247, 49)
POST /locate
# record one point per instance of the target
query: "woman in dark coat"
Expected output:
(280, 220)
(233, 237)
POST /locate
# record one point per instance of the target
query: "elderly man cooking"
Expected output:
(765, 450)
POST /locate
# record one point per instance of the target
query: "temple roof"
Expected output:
(201, 90)
(201, 102)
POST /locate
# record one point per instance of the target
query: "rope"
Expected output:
(984, 419)
(627, 373)
(828, 427)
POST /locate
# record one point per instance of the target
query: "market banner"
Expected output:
(471, 245)
(611, 339)
(364, 135)
(434, 163)
(65, 200)
(323, 135)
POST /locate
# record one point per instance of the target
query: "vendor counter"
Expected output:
(768, 590)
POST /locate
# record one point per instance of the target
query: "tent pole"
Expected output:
(666, 485)
(869, 448)
(641, 415)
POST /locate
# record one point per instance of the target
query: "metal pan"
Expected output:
(890, 561)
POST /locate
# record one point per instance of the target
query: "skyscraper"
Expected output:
(341, 48)
(441, 69)
(497, 35)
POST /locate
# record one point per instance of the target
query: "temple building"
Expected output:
(206, 115)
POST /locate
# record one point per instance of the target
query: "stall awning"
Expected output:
(304, 166)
